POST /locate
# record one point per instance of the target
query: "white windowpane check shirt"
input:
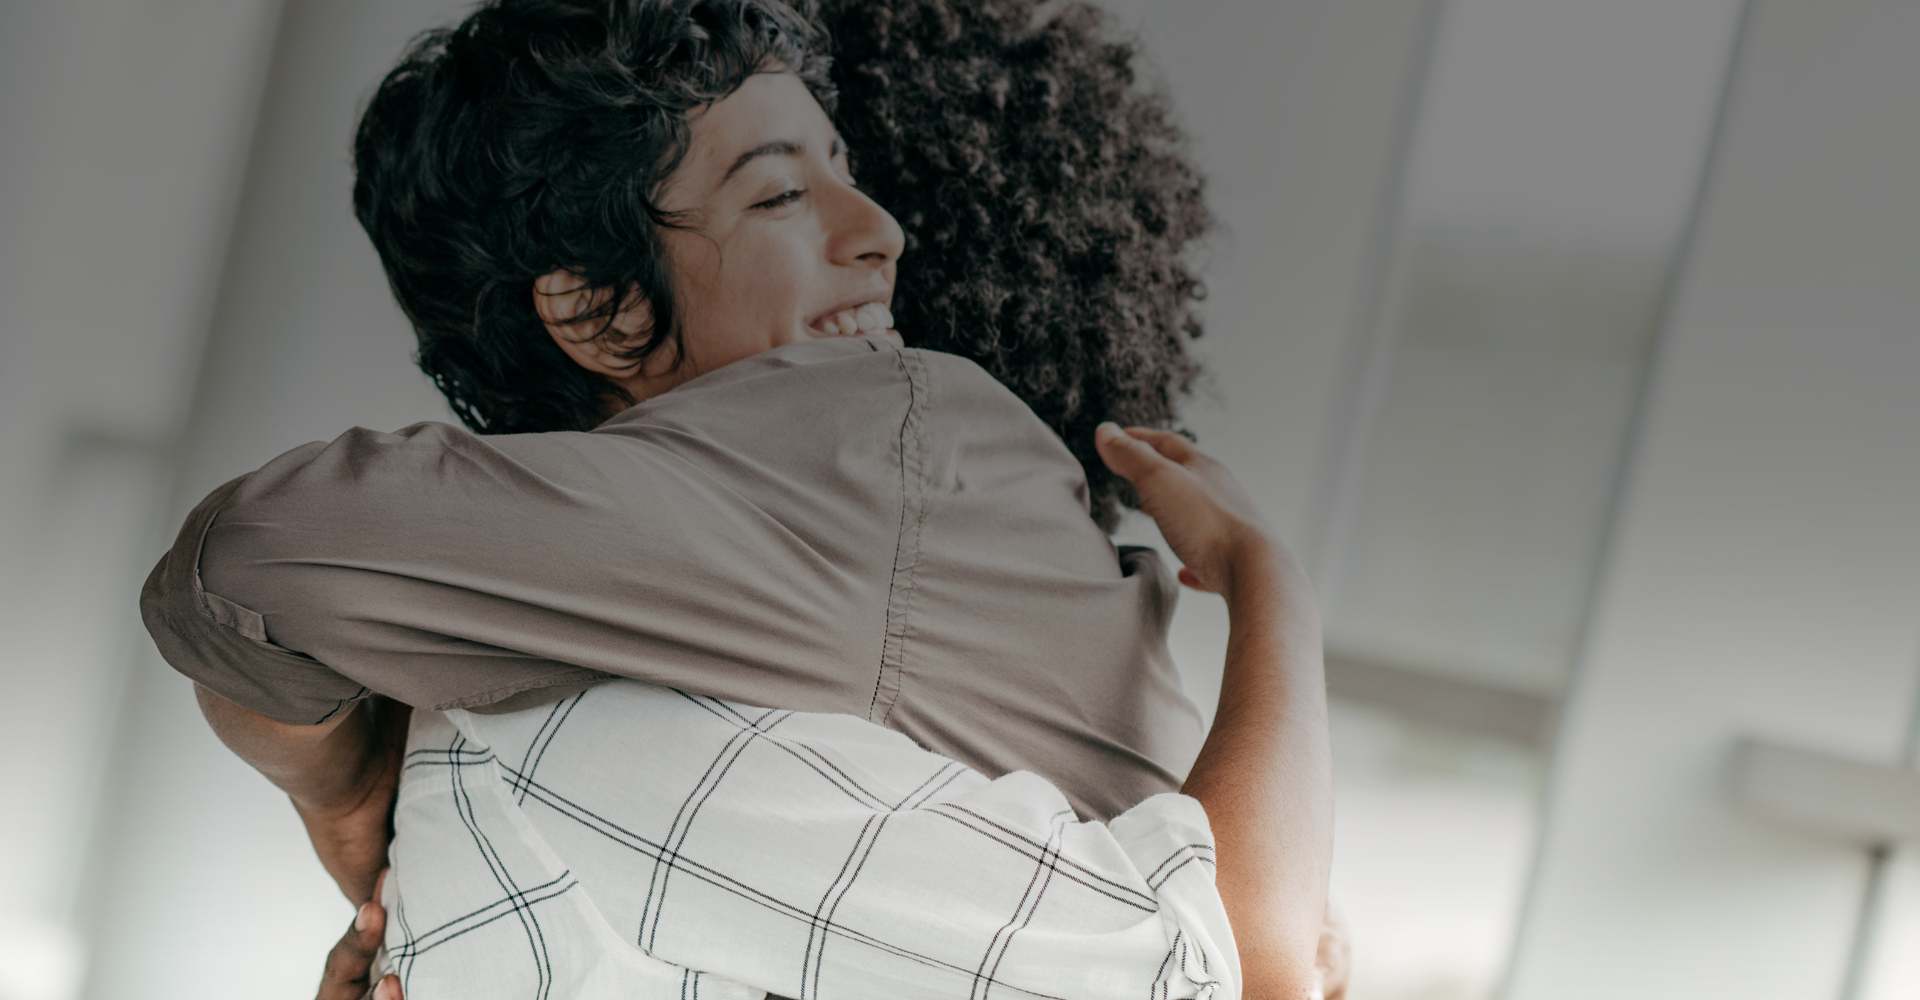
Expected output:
(639, 842)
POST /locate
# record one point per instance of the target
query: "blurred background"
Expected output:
(1575, 347)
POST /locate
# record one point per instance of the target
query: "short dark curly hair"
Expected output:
(1047, 198)
(534, 135)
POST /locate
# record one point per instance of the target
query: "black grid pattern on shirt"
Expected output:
(520, 901)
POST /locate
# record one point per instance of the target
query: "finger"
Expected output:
(389, 988)
(1131, 457)
(344, 977)
(1165, 442)
(352, 956)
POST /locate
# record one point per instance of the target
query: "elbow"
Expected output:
(1279, 962)
(1278, 981)
(154, 599)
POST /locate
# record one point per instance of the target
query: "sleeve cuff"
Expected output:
(223, 645)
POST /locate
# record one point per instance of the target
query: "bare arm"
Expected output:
(340, 775)
(1264, 776)
(320, 763)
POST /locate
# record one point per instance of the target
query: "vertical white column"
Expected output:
(1888, 952)
(1765, 567)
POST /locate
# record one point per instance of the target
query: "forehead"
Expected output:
(773, 105)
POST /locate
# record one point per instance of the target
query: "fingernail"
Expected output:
(1108, 428)
(384, 991)
(363, 916)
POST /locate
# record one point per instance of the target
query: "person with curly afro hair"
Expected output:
(515, 174)
(1051, 208)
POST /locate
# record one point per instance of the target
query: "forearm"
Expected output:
(323, 765)
(1264, 776)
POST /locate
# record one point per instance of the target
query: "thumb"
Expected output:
(1125, 454)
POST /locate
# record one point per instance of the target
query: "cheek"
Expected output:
(696, 266)
(777, 287)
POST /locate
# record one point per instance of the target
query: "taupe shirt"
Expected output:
(833, 525)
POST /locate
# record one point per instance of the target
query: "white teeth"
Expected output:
(871, 317)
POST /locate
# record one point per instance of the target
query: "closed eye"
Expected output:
(782, 198)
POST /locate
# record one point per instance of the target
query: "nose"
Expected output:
(863, 232)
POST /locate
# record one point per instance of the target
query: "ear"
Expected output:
(561, 295)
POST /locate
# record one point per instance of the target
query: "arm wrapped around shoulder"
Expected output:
(352, 566)
(222, 645)
(443, 568)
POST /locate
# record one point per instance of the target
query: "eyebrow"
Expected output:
(776, 147)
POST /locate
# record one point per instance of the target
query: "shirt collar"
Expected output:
(788, 355)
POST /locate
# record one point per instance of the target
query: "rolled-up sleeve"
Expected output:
(223, 645)
(449, 569)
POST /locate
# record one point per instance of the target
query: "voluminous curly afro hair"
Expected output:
(1046, 195)
(1050, 206)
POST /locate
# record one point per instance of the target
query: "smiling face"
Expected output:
(782, 246)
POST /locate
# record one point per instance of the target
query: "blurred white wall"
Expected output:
(303, 341)
(1557, 149)
(126, 131)
(1764, 574)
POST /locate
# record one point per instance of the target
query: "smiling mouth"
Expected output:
(872, 318)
